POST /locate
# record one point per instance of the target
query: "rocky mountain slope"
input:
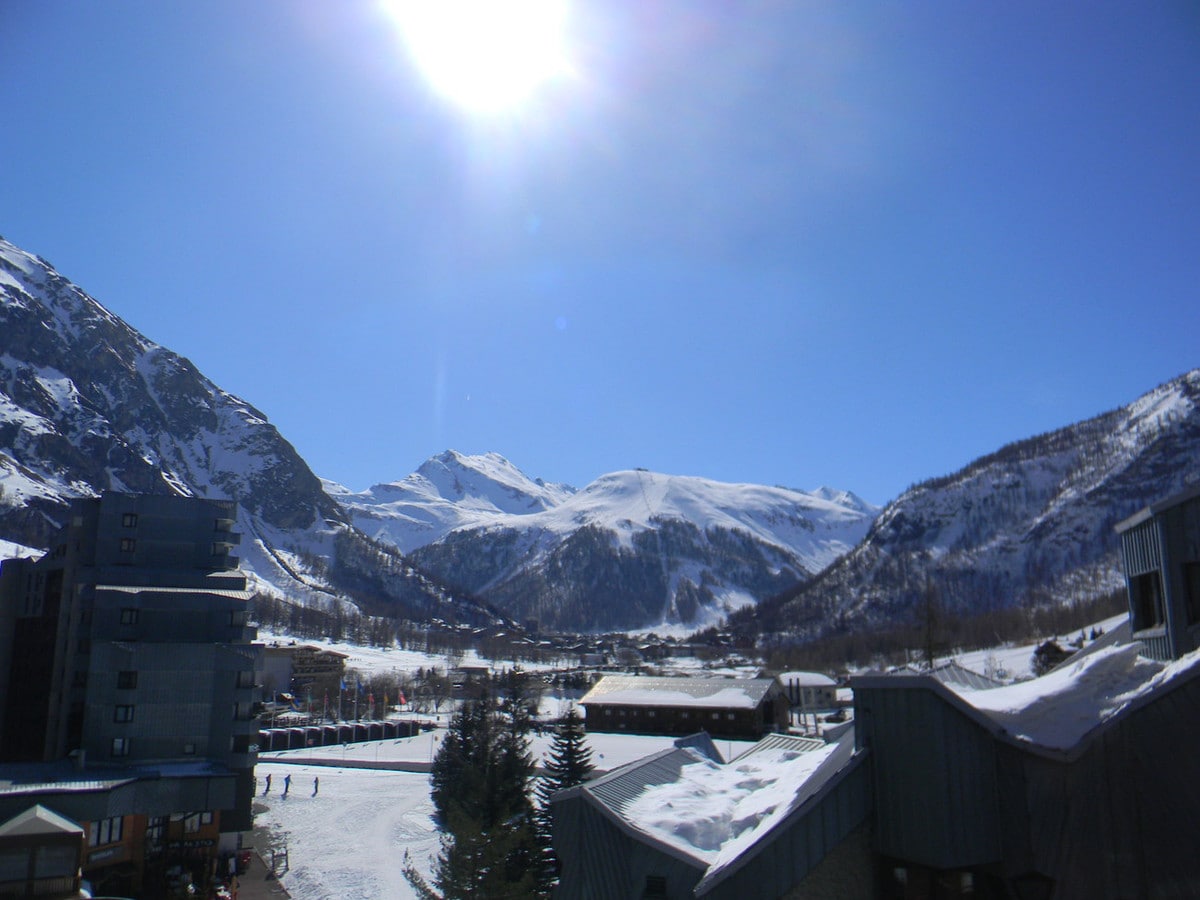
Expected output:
(1029, 524)
(89, 404)
(633, 549)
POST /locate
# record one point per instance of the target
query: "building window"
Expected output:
(129, 616)
(156, 829)
(189, 749)
(729, 715)
(245, 679)
(656, 886)
(237, 618)
(129, 520)
(716, 715)
(1191, 590)
(120, 746)
(1146, 599)
(126, 680)
(106, 831)
(650, 712)
(128, 545)
(123, 713)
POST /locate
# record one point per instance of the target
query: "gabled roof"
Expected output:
(705, 693)
(708, 812)
(39, 820)
(953, 675)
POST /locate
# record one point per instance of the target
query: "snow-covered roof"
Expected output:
(807, 679)
(705, 693)
(214, 591)
(39, 820)
(1059, 710)
(710, 812)
(955, 676)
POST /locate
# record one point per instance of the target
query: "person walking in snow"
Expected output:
(267, 789)
(316, 785)
(287, 783)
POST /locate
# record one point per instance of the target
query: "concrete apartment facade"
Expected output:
(128, 681)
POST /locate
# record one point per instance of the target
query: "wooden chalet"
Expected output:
(745, 708)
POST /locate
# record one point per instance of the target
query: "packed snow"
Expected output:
(349, 838)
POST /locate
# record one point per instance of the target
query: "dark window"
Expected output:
(1146, 599)
(120, 747)
(128, 545)
(127, 680)
(123, 713)
(156, 829)
(129, 520)
(189, 749)
(106, 831)
(129, 616)
(656, 886)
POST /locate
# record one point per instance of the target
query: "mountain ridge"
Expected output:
(1031, 523)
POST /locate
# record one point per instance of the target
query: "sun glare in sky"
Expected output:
(485, 56)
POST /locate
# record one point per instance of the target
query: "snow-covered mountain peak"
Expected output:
(448, 491)
(489, 478)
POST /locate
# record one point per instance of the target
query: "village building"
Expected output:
(128, 688)
(723, 707)
(685, 823)
(306, 672)
(1160, 552)
(809, 691)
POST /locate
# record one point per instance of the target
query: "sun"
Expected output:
(485, 56)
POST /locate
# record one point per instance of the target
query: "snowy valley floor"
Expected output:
(348, 841)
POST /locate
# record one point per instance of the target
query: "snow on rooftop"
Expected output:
(807, 679)
(726, 698)
(714, 812)
(1060, 708)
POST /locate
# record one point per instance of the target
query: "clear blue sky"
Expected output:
(788, 243)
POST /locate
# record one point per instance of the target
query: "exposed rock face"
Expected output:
(88, 404)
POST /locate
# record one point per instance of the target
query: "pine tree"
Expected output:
(568, 764)
(479, 787)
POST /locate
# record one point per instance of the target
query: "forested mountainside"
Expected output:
(1028, 525)
(88, 404)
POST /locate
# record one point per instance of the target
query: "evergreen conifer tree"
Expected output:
(568, 763)
(479, 787)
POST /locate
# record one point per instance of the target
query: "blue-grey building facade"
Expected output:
(128, 668)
